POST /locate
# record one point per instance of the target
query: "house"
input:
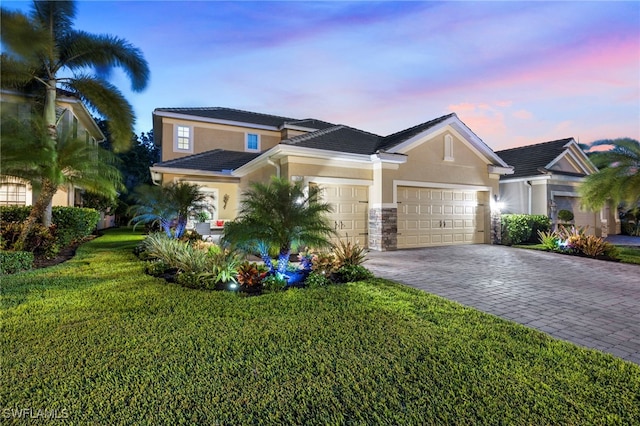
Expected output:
(73, 118)
(431, 184)
(546, 180)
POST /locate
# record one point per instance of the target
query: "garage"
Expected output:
(437, 216)
(350, 211)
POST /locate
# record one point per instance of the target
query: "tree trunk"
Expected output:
(37, 212)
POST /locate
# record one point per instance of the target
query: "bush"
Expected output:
(353, 273)
(549, 240)
(565, 215)
(519, 228)
(348, 253)
(41, 240)
(74, 223)
(317, 280)
(71, 223)
(15, 261)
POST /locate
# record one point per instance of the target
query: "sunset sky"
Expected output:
(515, 72)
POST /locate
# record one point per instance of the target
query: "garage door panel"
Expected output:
(350, 211)
(443, 217)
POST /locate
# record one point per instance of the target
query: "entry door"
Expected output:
(434, 216)
(350, 211)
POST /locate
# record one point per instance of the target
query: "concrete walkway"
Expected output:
(589, 302)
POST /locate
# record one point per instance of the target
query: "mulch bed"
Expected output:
(65, 254)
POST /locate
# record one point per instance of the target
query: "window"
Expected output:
(13, 194)
(74, 128)
(448, 148)
(183, 139)
(253, 142)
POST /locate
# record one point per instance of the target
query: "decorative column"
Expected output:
(383, 229)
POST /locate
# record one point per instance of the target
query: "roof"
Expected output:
(217, 160)
(403, 135)
(338, 138)
(532, 159)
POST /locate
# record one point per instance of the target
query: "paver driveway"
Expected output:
(590, 302)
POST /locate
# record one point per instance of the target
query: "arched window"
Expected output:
(448, 148)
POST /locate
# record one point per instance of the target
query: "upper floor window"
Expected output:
(253, 142)
(183, 139)
(448, 148)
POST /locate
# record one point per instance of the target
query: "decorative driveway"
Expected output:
(589, 302)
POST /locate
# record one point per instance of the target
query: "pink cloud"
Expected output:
(523, 114)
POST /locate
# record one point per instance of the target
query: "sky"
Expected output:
(516, 73)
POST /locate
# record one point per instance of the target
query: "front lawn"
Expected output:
(102, 343)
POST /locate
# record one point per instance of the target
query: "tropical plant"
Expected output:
(349, 253)
(280, 214)
(42, 52)
(28, 153)
(37, 50)
(350, 273)
(324, 264)
(251, 275)
(168, 205)
(594, 246)
(550, 240)
(619, 177)
(572, 237)
(224, 267)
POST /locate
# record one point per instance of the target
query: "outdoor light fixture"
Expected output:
(496, 204)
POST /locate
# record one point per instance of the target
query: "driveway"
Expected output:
(589, 302)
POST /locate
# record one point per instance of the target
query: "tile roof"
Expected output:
(338, 138)
(403, 135)
(217, 160)
(230, 114)
(528, 160)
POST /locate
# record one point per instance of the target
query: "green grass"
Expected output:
(627, 254)
(110, 345)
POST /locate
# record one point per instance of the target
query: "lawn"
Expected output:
(626, 254)
(99, 342)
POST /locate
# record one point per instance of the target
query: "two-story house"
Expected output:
(431, 184)
(546, 180)
(72, 118)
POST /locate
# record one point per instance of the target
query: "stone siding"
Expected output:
(383, 229)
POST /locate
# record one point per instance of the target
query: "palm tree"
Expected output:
(27, 154)
(41, 46)
(619, 177)
(168, 205)
(40, 49)
(280, 214)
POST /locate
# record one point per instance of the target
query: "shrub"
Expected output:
(251, 275)
(324, 263)
(572, 237)
(594, 246)
(41, 240)
(516, 228)
(156, 267)
(565, 215)
(353, 273)
(317, 280)
(539, 223)
(223, 267)
(159, 246)
(14, 213)
(631, 228)
(549, 239)
(274, 283)
(73, 223)
(348, 253)
(15, 261)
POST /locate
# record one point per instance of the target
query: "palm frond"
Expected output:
(107, 100)
(56, 16)
(103, 52)
(22, 37)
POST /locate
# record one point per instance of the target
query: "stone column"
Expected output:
(383, 229)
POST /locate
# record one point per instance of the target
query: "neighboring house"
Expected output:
(546, 180)
(72, 117)
(431, 184)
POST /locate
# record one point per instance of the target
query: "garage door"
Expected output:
(350, 216)
(432, 217)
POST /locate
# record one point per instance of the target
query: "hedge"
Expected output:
(519, 228)
(15, 261)
(72, 223)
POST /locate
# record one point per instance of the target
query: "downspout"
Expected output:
(274, 164)
(528, 183)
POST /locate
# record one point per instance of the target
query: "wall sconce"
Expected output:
(225, 200)
(496, 204)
